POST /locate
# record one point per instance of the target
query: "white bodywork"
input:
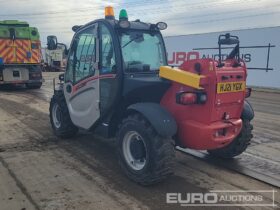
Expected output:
(83, 99)
(83, 104)
(54, 55)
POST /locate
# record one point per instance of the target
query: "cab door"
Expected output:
(81, 86)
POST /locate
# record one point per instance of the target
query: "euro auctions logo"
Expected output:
(177, 58)
(192, 198)
(257, 198)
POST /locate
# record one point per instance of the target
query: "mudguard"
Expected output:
(158, 116)
(248, 112)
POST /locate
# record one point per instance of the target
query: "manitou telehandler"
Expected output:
(117, 84)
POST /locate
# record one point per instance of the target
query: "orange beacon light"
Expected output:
(109, 13)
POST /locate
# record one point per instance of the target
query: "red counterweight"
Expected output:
(213, 120)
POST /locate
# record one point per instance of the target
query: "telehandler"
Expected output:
(117, 84)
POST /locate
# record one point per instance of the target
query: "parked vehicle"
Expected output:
(20, 54)
(55, 59)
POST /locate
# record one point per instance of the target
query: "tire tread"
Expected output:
(161, 165)
(68, 129)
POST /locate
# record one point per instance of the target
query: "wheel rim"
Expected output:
(56, 115)
(134, 150)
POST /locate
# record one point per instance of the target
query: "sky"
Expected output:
(56, 17)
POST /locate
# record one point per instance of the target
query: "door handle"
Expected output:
(68, 88)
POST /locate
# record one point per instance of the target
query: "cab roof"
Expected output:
(136, 25)
(14, 23)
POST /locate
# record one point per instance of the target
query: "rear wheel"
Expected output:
(238, 145)
(144, 156)
(34, 85)
(60, 118)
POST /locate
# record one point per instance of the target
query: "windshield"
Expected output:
(142, 51)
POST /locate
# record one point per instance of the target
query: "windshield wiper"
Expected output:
(137, 37)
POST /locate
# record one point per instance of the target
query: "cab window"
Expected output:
(142, 51)
(108, 60)
(82, 56)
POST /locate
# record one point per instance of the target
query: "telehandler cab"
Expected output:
(112, 87)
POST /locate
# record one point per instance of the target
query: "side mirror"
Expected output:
(227, 39)
(52, 42)
(65, 50)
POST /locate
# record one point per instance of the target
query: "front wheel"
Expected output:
(60, 118)
(238, 145)
(145, 156)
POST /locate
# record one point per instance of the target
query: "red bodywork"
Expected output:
(217, 122)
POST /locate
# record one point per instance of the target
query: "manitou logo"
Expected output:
(177, 58)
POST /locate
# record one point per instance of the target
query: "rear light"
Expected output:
(248, 92)
(188, 98)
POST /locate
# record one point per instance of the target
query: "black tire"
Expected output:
(34, 85)
(66, 129)
(238, 145)
(159, 151)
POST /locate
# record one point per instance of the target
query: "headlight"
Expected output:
(161, 25)
(124, 23)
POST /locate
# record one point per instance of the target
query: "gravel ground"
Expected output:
(40, 171)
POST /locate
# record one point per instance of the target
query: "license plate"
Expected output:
(227, 87)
